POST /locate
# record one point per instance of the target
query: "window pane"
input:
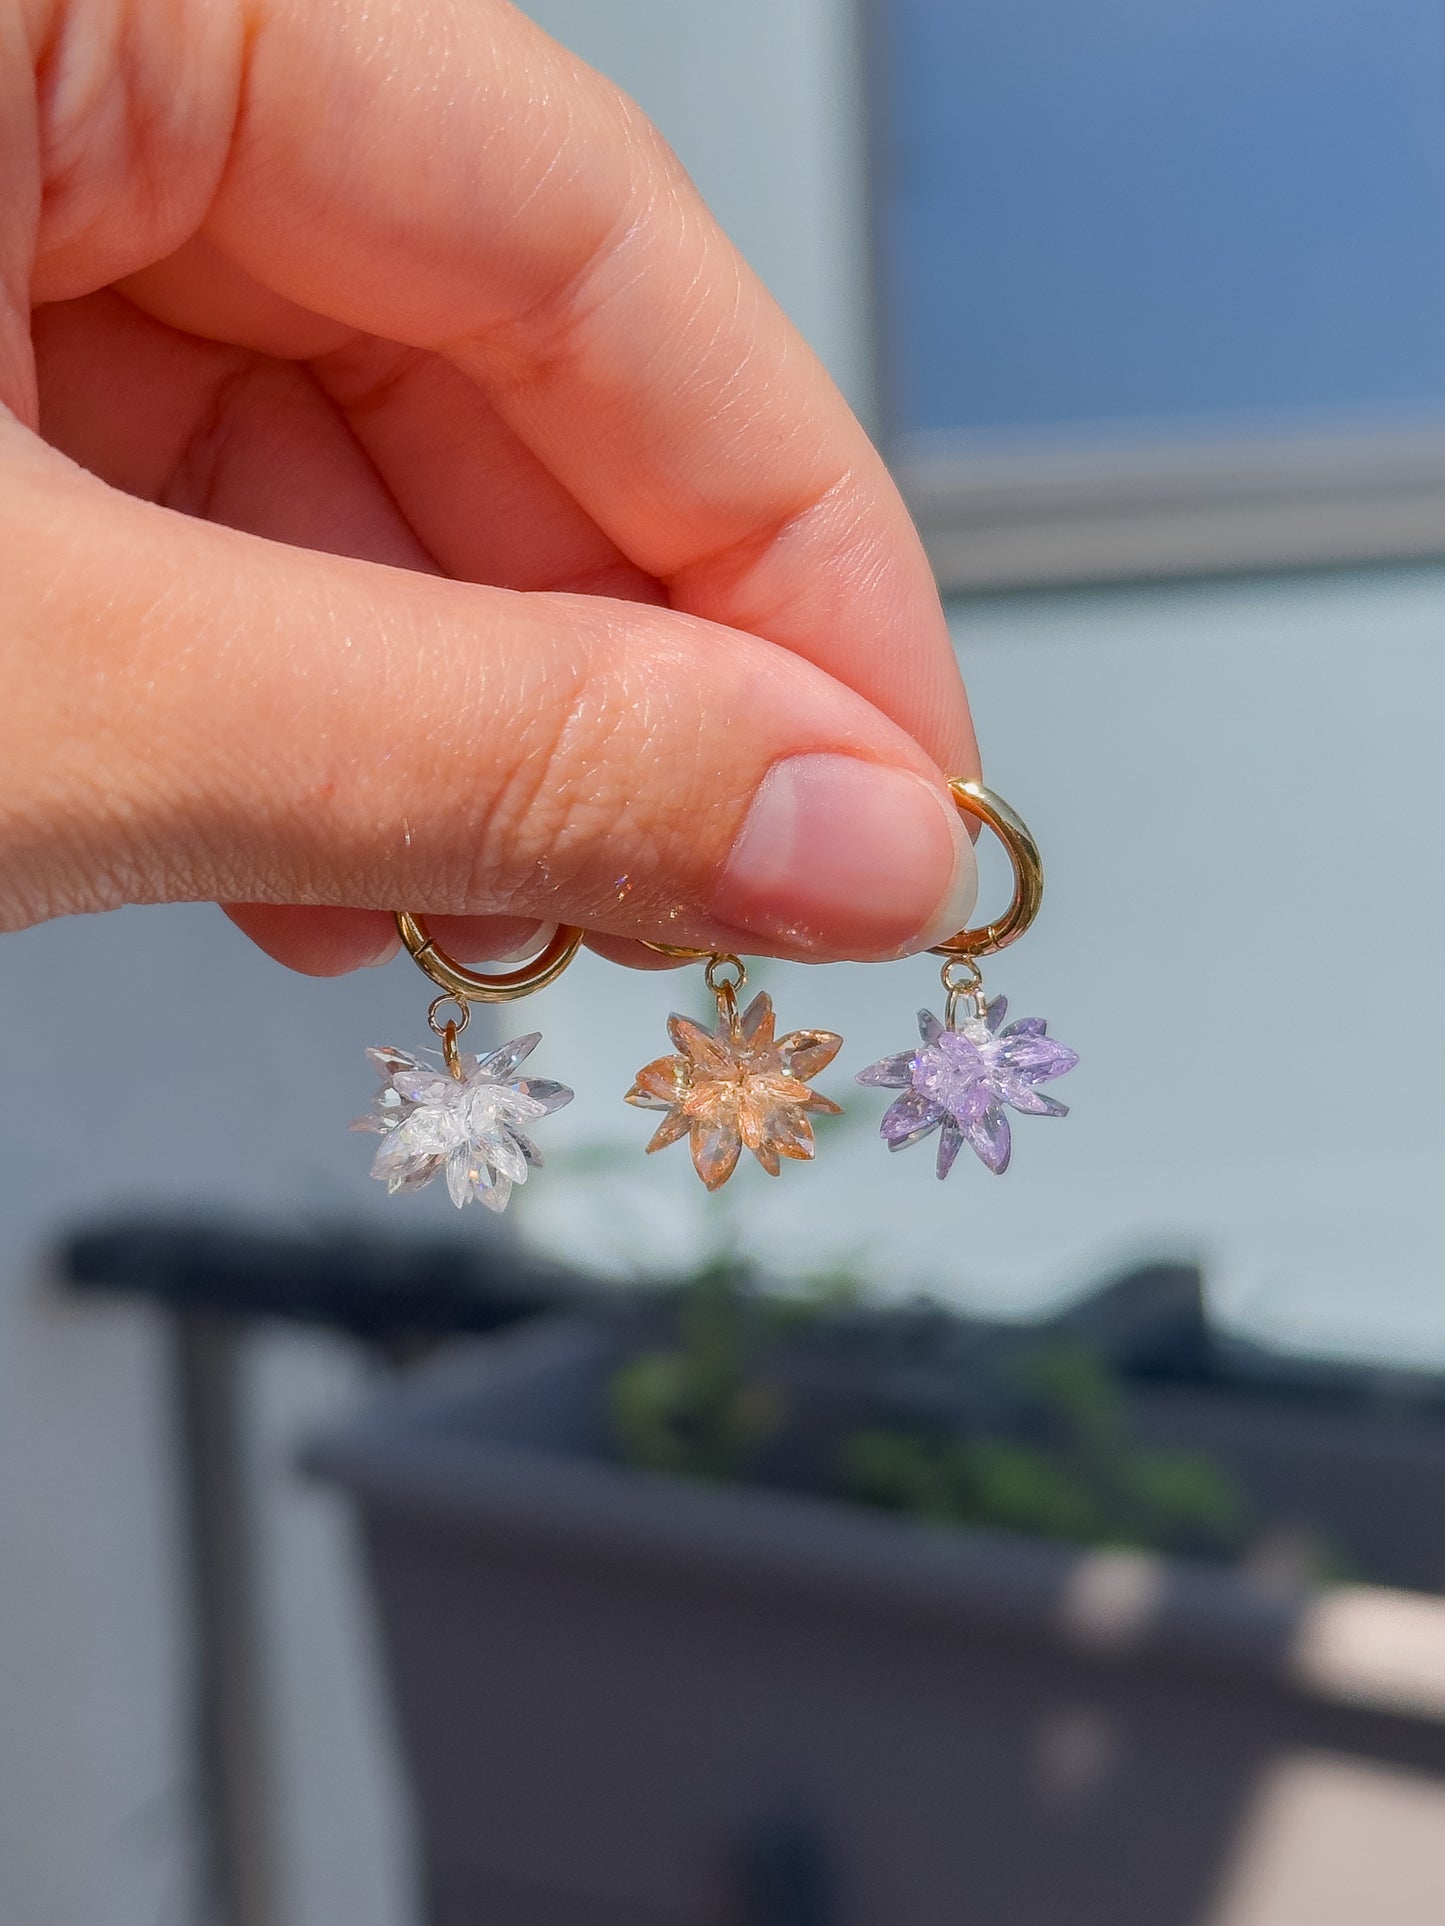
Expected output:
(1145, 211)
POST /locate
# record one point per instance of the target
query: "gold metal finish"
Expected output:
(973, 799)
(723, 960)
(450, 1030)
(678, 950)
(471, 986)
(724, 987)
(962, 981)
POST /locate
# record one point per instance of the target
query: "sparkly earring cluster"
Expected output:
(736, 1087)
(732, 1087)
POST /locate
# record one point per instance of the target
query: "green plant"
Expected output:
(1075, 1472)
(705, 1406)
(1068, 1466)
(700, 1408)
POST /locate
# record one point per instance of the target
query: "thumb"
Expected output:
(200, 714)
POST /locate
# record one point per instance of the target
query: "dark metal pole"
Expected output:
(239, 1857)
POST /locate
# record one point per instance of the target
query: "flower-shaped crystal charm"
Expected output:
(962, 1079)
(737, 1086)
(468, 1125)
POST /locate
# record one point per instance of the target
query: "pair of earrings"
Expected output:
(731, 1087)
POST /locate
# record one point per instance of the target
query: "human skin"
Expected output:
(408, 496)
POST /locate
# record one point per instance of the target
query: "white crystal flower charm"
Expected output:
(461, 1116)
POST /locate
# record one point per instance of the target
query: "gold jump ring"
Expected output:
(471, 986)
(715, 981)
(678, 950)
(973, 799)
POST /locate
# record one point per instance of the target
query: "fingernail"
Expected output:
(538, 937)
(849, 856)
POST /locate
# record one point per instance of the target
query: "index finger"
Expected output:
(444, 175)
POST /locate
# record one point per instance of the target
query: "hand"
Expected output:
(409, 498)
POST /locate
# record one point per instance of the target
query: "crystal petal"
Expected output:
(640, 1100)
(758, 1022)
(664, 1081)
(803, 1053)
(504, 1156)
(890, 1073)
(768, 1088)
(908, 1118)
(703, 1051)
(399, 1150)
(716, 1148)
(823, 1106)
(429, 1132)
(997, 1011)
(424, 1085)
(950, 1142)
(989, 1137)
(514, 1106)
(1026, 1027)
(794, 1138)
(952, 1074)
(750, 1118)
(1022, 1096)
(1036, 1058)
(528, 1149)
(459, 1175)
(929, 1027)
(391, 1160)
(768, 1155)
(502, 1063)
(414, 1176)
(388, 1060)
(672, 1127)
(496, 1195)
(545, 1091)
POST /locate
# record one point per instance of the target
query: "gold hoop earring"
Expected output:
(968, 1069)
(472, 986)
(736, 1086)
(456, 1115)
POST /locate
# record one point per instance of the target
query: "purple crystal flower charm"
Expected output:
(962, 1078)
(464, 1121)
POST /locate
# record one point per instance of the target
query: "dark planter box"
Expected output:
(629, 1700)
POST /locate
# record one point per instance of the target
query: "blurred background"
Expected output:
(1145, 300)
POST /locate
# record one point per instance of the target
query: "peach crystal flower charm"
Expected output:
(737, 1086)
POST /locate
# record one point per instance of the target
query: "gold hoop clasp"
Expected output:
(471, 986)
(716, 960)
(973, 799)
